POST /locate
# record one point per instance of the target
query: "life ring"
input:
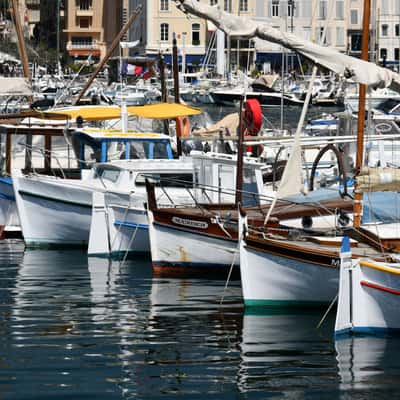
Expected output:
(182, 126)
(252, 116)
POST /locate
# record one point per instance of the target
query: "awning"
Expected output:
(163, 111)
(100, 113)
(15, 87)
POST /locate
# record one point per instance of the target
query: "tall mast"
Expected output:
(21, 41)
(361, 112)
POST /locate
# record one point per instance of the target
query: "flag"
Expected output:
(138, 70)
(128, 45)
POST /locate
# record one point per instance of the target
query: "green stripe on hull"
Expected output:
(284, 303)
(46, 245)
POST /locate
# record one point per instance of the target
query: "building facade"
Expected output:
(388, 33)
(91, 26)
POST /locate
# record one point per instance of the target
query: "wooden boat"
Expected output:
(369, 295)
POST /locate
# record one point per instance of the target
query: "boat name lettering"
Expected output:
(190, 222)
(335, 262)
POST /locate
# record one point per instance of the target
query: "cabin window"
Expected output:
(180, 180)
(164, 5)
(164, 32)
(106, 174)
(195, 34)
(244, 5)
(228, 5)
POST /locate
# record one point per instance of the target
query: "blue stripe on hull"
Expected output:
(131, 225)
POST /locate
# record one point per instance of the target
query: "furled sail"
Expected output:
(378, 180)
(360, 71)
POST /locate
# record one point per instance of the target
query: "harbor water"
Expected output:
(89, 328)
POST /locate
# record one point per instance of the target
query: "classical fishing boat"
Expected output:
(296, 267)
(65, 204)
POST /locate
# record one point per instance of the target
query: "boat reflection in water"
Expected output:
(367, 362)
(283, 352)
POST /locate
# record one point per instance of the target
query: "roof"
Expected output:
(99, 113)
(113, 134)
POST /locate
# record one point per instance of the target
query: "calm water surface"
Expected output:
(85, 328)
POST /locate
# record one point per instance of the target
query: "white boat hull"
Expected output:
(8, 207)
(175, 250)
(130, 231)
(50, 214)
(269, 280)
(369, 298)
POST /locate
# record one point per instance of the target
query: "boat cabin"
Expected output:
(102, 145)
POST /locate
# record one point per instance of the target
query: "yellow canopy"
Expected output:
(99, 113)
(163, 111)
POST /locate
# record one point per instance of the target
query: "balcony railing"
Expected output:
(82, 46)
(84, 13)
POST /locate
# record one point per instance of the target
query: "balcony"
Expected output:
(84, 13)
(82, 46)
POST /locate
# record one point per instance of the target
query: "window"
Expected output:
(354, 17)
(228, 5)
(164, 5)
(383, 54)
(166, 179)
(384, 29)
(307, 33)
(243, 5)
(108, 174)
(323, 9)
(84, 22)
(85, 4)
(213, 2)
(397, 30)
(339, 36)
(290, 8)
(307, 9)
(164, 32)
(275, 8)
(195, 34)
(396, 53)
(340, 9)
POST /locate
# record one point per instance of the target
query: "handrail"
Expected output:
(384, 268)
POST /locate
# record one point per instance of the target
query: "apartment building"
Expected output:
(388, 32)
(321, 21)
(156, 26)
(91, 26)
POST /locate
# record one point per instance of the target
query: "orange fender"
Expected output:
(182, 126)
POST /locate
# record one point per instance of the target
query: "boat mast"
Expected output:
(361, 112)
(21, 41)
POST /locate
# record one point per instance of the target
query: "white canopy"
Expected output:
(15, 86)
(360, 71)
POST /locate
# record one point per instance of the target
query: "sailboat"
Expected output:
(289, 267)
